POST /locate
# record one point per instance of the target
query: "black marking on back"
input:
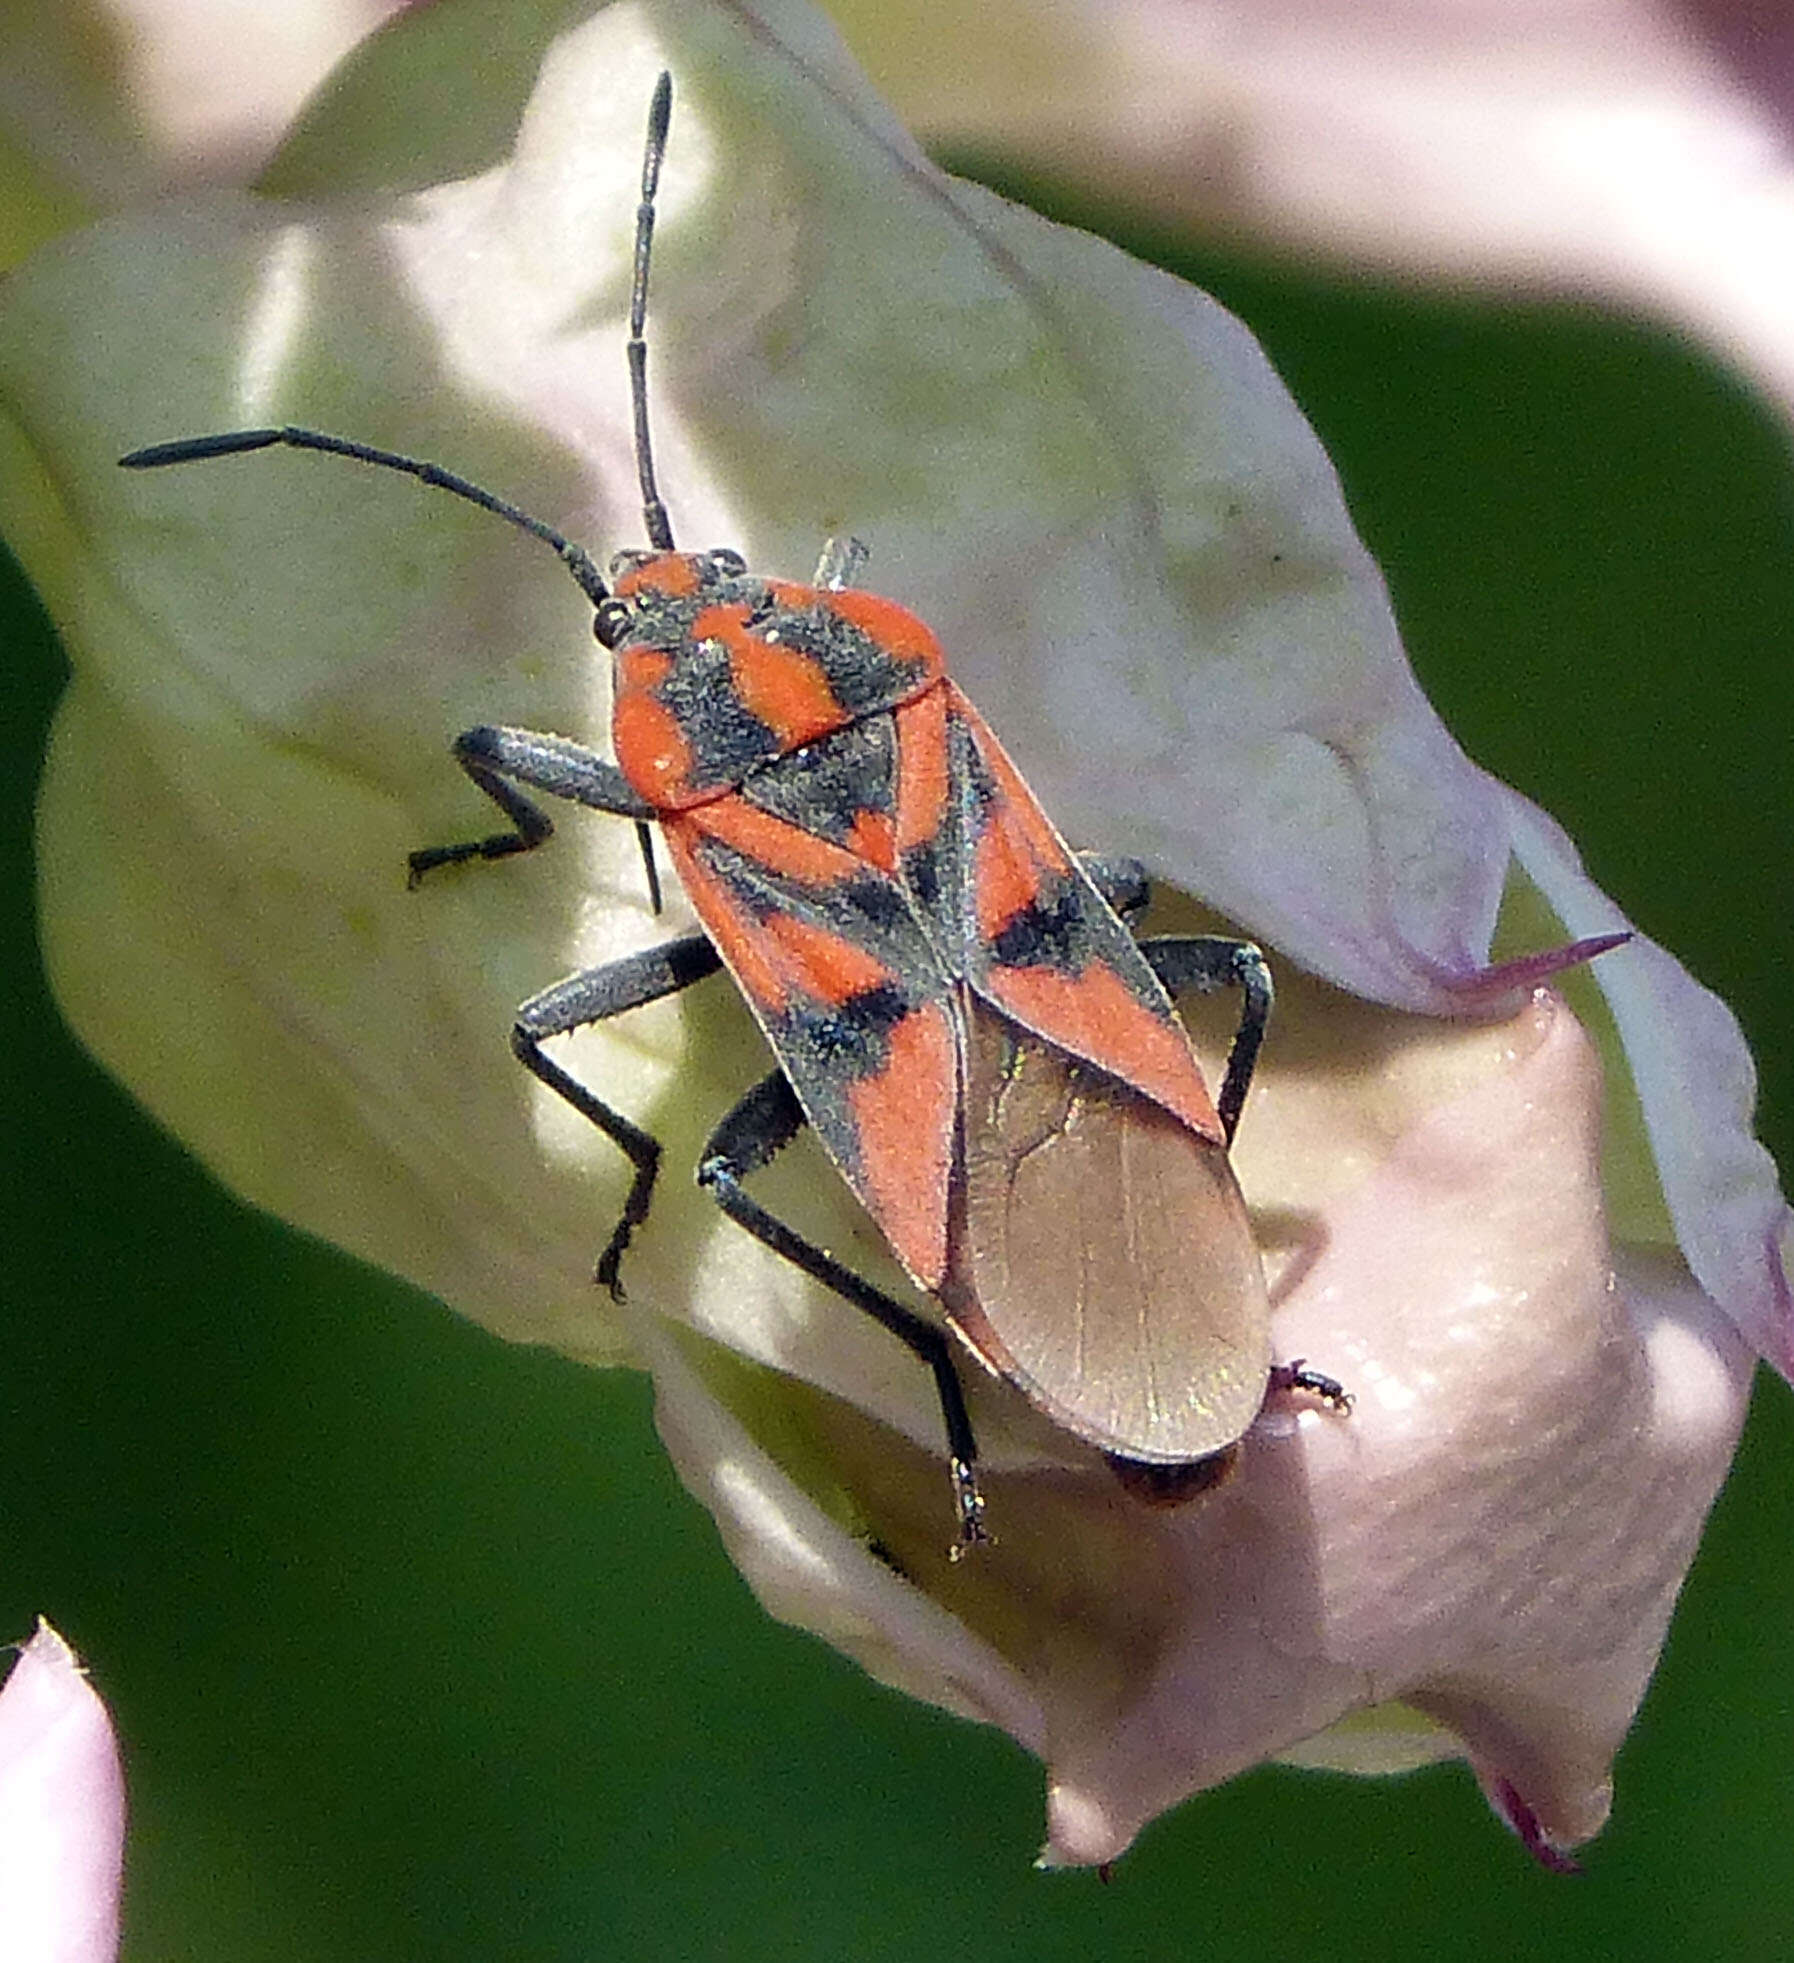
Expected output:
(921, 870)
(825, 1049)
(1049, 933)
(825, 786)
(868, 909)
(727, 740)
(851, 1038)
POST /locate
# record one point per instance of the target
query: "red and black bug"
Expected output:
(986, 1053)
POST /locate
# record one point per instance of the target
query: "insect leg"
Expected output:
(1124, 883)
(1207, 962)
(551, 764)
(593, 995)
(750, 1137)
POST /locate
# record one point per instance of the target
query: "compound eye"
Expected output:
(611, 622)
(727, 561)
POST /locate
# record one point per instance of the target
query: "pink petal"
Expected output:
(62, 1811)
(1632, 151)
(1495, 1536)
(1697, 1089)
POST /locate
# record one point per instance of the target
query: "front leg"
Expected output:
(594, 995)
(553, 765)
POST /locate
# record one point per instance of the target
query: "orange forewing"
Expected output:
(1095, 1015)
(904, 1118)
(891, 1134)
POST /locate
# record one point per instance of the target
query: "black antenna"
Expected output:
(655, 522)
(654, 514)
(577, 560)
(196, 449)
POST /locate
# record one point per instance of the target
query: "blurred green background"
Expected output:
(415, 1646)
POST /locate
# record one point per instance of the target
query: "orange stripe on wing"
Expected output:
(903, 1120)
(779, 845)
(824, 966)
(921, 768)
(775, 956)
(874, 839)
(1097, 1017)
(750, 957)
(1017, 845)
(1006, 874)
